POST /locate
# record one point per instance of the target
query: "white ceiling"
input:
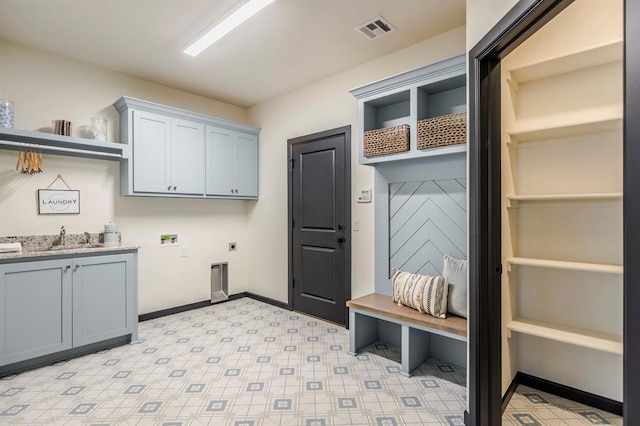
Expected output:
(288, 45)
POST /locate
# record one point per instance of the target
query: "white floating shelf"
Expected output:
(585, 58)
(611, 120)
(513, 200)
(574, 266)
(48, 143)
(605, 342)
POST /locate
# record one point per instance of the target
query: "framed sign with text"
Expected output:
(58, 201)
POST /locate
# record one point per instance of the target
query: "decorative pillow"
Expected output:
(456, 272)
(421, 292)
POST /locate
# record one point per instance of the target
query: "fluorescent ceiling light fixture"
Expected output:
(224, 27)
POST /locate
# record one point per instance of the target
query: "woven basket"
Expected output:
(386, 141)
(448, 129)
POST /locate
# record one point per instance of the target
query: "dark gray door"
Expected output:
(319, 194)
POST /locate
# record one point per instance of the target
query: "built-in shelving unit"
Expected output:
(15, 139)
(578, 60)
(572, 266)
(562, 192)
(575, 336)
(407, 98)
(514, 200)
(548, 130)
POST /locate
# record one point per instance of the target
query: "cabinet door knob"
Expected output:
(77, 266)
(67, 267)
(175, 187)
(169, 188)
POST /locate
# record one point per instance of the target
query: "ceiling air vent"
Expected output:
(375, 28)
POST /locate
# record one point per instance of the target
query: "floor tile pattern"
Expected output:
(248, 363)
(532, 407)
(236, 363)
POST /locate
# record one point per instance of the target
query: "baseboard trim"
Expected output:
(259, 298)
(567, 392)
(506, 398)
(170, 311)
(42, 361)
(204, 303)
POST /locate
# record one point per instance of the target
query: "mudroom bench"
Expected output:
(420, 336)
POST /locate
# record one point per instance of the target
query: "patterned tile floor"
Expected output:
(248, 363)
(237, 363)
(533, 407)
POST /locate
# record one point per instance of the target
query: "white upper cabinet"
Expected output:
(231, 163)
(151, 152)
(177, 153)
(187, 165)
(247, 171)
(221, 149)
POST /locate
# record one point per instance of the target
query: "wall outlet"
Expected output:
(233, 246)
(168, 239)
(355, 225)
(184, 251)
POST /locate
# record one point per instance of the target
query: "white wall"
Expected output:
(482, 15)
(323, 105)
(46, 87)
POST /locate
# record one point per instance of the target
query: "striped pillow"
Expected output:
(421, 292)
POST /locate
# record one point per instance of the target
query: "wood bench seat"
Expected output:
(416, 329)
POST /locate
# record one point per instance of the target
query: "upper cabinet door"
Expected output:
(151, 151)
(188, 157)
(247, 165)
(221, 159)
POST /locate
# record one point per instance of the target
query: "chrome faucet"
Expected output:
(63, 232)
(87, 238)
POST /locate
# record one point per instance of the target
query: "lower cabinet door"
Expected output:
(35, 309)
(102, 298)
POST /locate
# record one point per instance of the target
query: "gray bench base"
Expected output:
(417, 344)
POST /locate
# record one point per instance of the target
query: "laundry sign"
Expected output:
(58, 201)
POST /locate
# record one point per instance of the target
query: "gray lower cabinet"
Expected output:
(103, 294)
(49, 306)
(35, 299)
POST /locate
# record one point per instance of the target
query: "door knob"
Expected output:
(340, 240)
